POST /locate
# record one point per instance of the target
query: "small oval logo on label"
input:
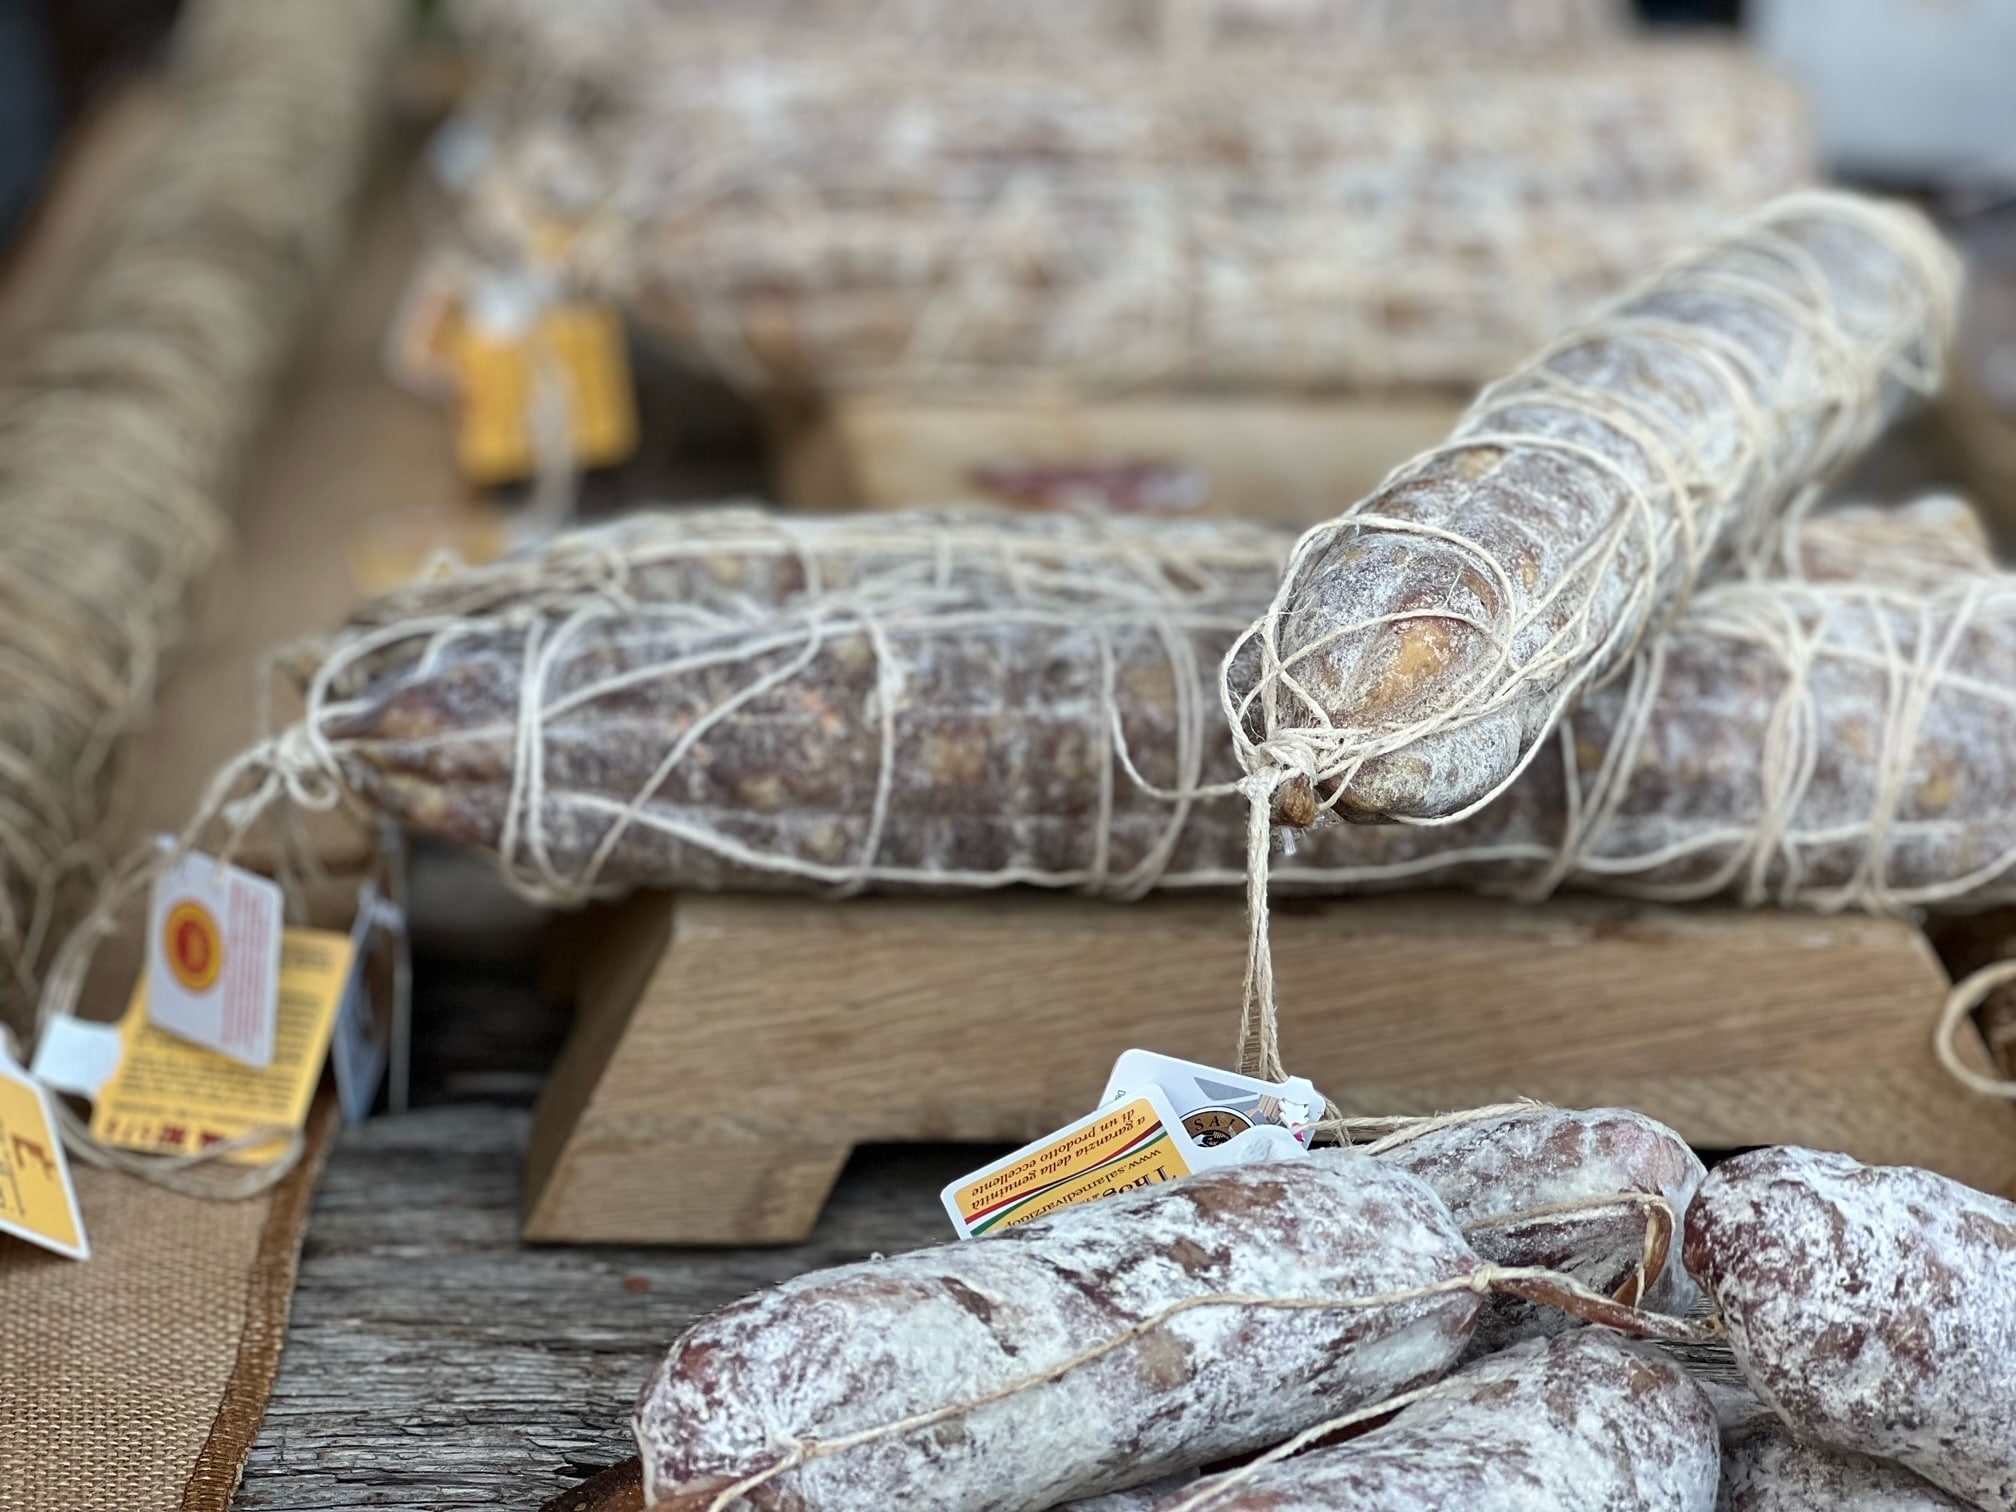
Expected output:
(194, 946)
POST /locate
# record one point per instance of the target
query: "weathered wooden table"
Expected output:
(433, 1360)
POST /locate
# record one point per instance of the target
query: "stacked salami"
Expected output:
(1257, 1322)
(1359, 193)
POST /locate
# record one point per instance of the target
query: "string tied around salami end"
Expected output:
(1283, 780)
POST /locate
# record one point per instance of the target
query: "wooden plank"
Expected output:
(1291, 459)
(725, 1085)
(434, 1363)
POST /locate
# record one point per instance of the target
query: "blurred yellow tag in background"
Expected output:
(575, 347)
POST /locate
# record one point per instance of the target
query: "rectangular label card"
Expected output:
(213, 957)
(1136, 1142)
(1216, 1106)
(171, 1097)
(37, 1200)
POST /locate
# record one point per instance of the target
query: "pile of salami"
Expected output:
(1391, 1326)
(1359, 193)
(1602, 607)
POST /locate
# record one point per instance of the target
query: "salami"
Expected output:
(1098, 1348)
(1133, 1499)
(1577, 1423)
(1424, 643)
(1564, 1190)
(1873, 1308)
(947, 702)
(831, 215)
(848, 1350)
(1765, 1468)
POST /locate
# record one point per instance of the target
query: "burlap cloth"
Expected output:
(136, 1381)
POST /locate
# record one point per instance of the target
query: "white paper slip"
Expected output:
(1215, 1106)
(213, 957)
(77, 1056)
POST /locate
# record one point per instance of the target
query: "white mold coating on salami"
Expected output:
(1549, 1157)
(1872, 1308)
(1765, 1468)
(1551, 1188)
(1577, 1423)
(847, 1350)
(1134, 1498)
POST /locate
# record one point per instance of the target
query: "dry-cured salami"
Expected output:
(833, 214)
(1767, 1468)
(1872, 1308)
(949, 702)
(847, 1350)
(1100, 1347)
(1576, 1423)
(1597, 1193)
(1426, 641)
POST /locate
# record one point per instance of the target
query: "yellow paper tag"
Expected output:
(173, 1098)
(577, 347)
(37, 1201)
(1135, 1143)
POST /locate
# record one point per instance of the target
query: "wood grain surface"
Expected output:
(435, 1363)
(730, 1051)
(1291, 459)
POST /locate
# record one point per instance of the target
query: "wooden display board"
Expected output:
(730, 1052)
(1289, 459)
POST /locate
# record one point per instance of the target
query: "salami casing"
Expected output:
(1542, 1187)
(1424, 642)
(1766, 1468)
(1872, 1308)
(1576, 1423)
(851, 1350)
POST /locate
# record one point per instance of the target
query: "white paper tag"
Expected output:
(77, 1056)
(362, 1043)
(213, 958)
(1216, 1106)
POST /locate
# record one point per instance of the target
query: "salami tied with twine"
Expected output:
(817, 210)
(1423, 646)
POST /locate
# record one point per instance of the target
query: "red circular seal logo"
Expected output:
(193, 945)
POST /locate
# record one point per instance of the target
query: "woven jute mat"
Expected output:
(135, 1381)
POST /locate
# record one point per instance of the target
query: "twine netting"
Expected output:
(125, 416)
(1422, 646)
(826, 213)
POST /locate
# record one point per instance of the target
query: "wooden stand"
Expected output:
(1292, 460)
(731, 1051)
